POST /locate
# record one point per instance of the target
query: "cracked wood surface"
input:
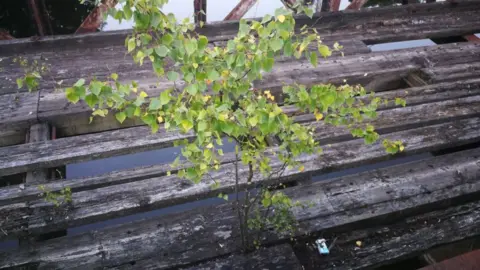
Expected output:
(202, 234)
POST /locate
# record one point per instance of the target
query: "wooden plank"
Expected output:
(376, 71)
(276, 257)
(405, 118)
(99, 145)
(364, 69)
(450, 73)
(338, 22)
(240, 9)
(62, 151)
(143, 195)
(399, 23)
(38, 133)
(383, 245)
(202, 234)
(413, 96)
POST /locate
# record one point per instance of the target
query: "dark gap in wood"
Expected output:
(446, 40)
(27, 266)
(13, 179)
(410, 263)
(456, 149)
(395, 160)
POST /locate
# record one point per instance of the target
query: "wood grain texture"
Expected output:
(38, 133)
(92, 146)
(376, 71)
(276, 257)
(131, 197)
(201, 234)
(62, 151)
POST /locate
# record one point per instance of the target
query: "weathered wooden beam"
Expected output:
(200, 11)
(413, 96)
(186, 238)
(334, 5)
(118, 142)
(384, 245)
(143, 195)
(74, 119)
(240, 10)
(38, 133)
(36, 16)
(95, 19)
(93, 146)
(276, 257)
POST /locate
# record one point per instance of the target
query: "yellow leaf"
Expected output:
(143, 94)
(358, 243)
(160, 119)
(318, 116)
(402, 148)
(195, 65)
(210, 145)
(281, 18)
(206, 98)
(301, 169)
(272, 98)
(134, 89)
(169, 173)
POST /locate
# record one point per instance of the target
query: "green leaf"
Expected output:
(227, 127)
(190, 46)
(328, 100)
(202, 42)
(131, 44)
(400, 101)
(20, 83)
(91, 100)
(72, 95)
(266, 18)
(172, 76)
(167, 39)
(314, 59)
(192, 89)
(276, 44)
(287, 48)
(186, 124)
(165, 97)
(324, 51)
(127, 12)
(268, 64)
(79, 83)
(213, 75)
(308, 12)
(155, 104)
(121, 116)
(202, 125)
(161, 50)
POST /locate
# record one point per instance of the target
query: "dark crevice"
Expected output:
(450, 150)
